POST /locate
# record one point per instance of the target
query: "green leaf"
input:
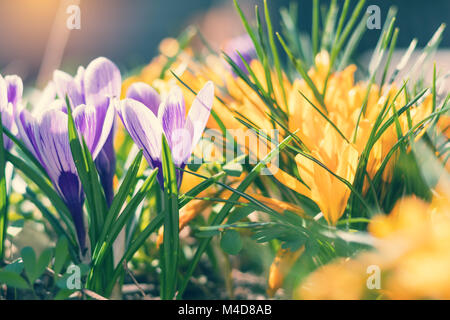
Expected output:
(328, 31)
(233, 169)
(300, 66)
(170, 246)
(273, 47)
(45, 187)
(231, 242)
(54, 222)
(240, 213)
(63, 294)
(13, 279)
(3, 197)
(126, 187)
(43, 261)
(133, 247)
(120, 222)
(61, 255)
(16, 266)
(88, 175)
(29, 261)
(206, 233)
(315, 27)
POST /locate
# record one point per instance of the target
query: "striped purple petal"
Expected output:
(102, 81)
(172, 114)
(47, 138)
(65, 84)
(199, 113)
(143, 127)
(14, 87)
(144, 93)
(95, 124)
(10, 97)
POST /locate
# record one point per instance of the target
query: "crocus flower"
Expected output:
(242, 45)
(94, 87)
(46, 136)
(11, 89)
(146, 120)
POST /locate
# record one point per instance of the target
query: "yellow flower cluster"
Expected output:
(412, 251)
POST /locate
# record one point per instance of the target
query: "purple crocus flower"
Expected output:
(95, 86)
(146, 119)
(46, 136)
(11, 89)
(244, 45)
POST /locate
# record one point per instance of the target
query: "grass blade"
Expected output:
(3, 197)
(170, 246)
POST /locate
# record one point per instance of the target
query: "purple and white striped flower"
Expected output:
(94, 87)
(11, 89)
(146, 119)
(45, 131)
(46, 136)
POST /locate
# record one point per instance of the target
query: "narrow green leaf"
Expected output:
(389, 57)
(170, 246)
(126, 187)
(89, 178)
(233, 169)
(325, 117)
(404, 60)
(274, 52)
(56, 225)
(134, 246)
(303, 72)
(328, 31)
(3, 197)
(240, 213)
(122, 220)
(45, 187)
(315, 27)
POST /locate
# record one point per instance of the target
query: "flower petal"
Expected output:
(95, 124)
(172, 115)
(65, 84)
(144, 93)
(143, 127)
(71, 191)
(14, 86)
(199, 113)
(102, 81)
(46, 97)
(53, 144)
(28, 132)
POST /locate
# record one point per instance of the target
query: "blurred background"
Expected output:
(35, 40)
